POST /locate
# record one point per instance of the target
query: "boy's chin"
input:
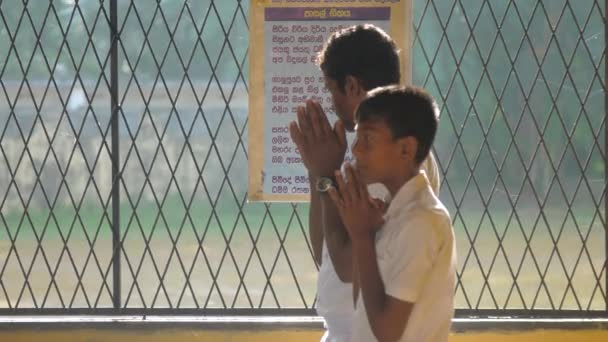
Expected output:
(366, 179)
(363, 176)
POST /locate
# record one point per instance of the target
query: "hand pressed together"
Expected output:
(322, 148)
(362, 215)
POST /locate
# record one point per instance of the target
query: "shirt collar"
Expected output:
(407, 193)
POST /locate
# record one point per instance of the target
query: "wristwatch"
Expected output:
(325, 183)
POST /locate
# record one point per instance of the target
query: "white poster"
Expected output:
(283, 75)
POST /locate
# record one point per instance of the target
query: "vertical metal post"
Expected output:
(116, 300)
(606, 153)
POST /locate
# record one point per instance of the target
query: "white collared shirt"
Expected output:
(416, 254)
(334, 297)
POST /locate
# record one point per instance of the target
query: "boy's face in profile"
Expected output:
(378, 155)
(342, 103)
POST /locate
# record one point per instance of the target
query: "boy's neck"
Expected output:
(397, 182)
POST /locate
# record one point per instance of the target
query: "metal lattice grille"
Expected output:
(159, 91)
(521, 145)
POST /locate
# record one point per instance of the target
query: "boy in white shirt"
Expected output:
(354, 60)
(404, 259)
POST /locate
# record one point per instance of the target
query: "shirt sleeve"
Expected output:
(413, 253)
(379, 191)
(430, 168)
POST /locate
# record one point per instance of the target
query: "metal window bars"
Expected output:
(123, 154)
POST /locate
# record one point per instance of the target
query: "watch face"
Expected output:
(324, 184)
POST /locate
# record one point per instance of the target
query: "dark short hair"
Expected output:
(363, 51)
(406, 110)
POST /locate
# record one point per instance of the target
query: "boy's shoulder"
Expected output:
(425, 215)
(424, 205)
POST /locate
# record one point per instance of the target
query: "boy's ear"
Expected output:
(408, 147)
(353, 86)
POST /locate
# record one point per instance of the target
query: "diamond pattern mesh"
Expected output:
(521, 147)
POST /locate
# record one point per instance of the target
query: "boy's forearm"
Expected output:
(336, 239)
(371, 284)
(355, 279)
(373, 292)
(315, 221)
